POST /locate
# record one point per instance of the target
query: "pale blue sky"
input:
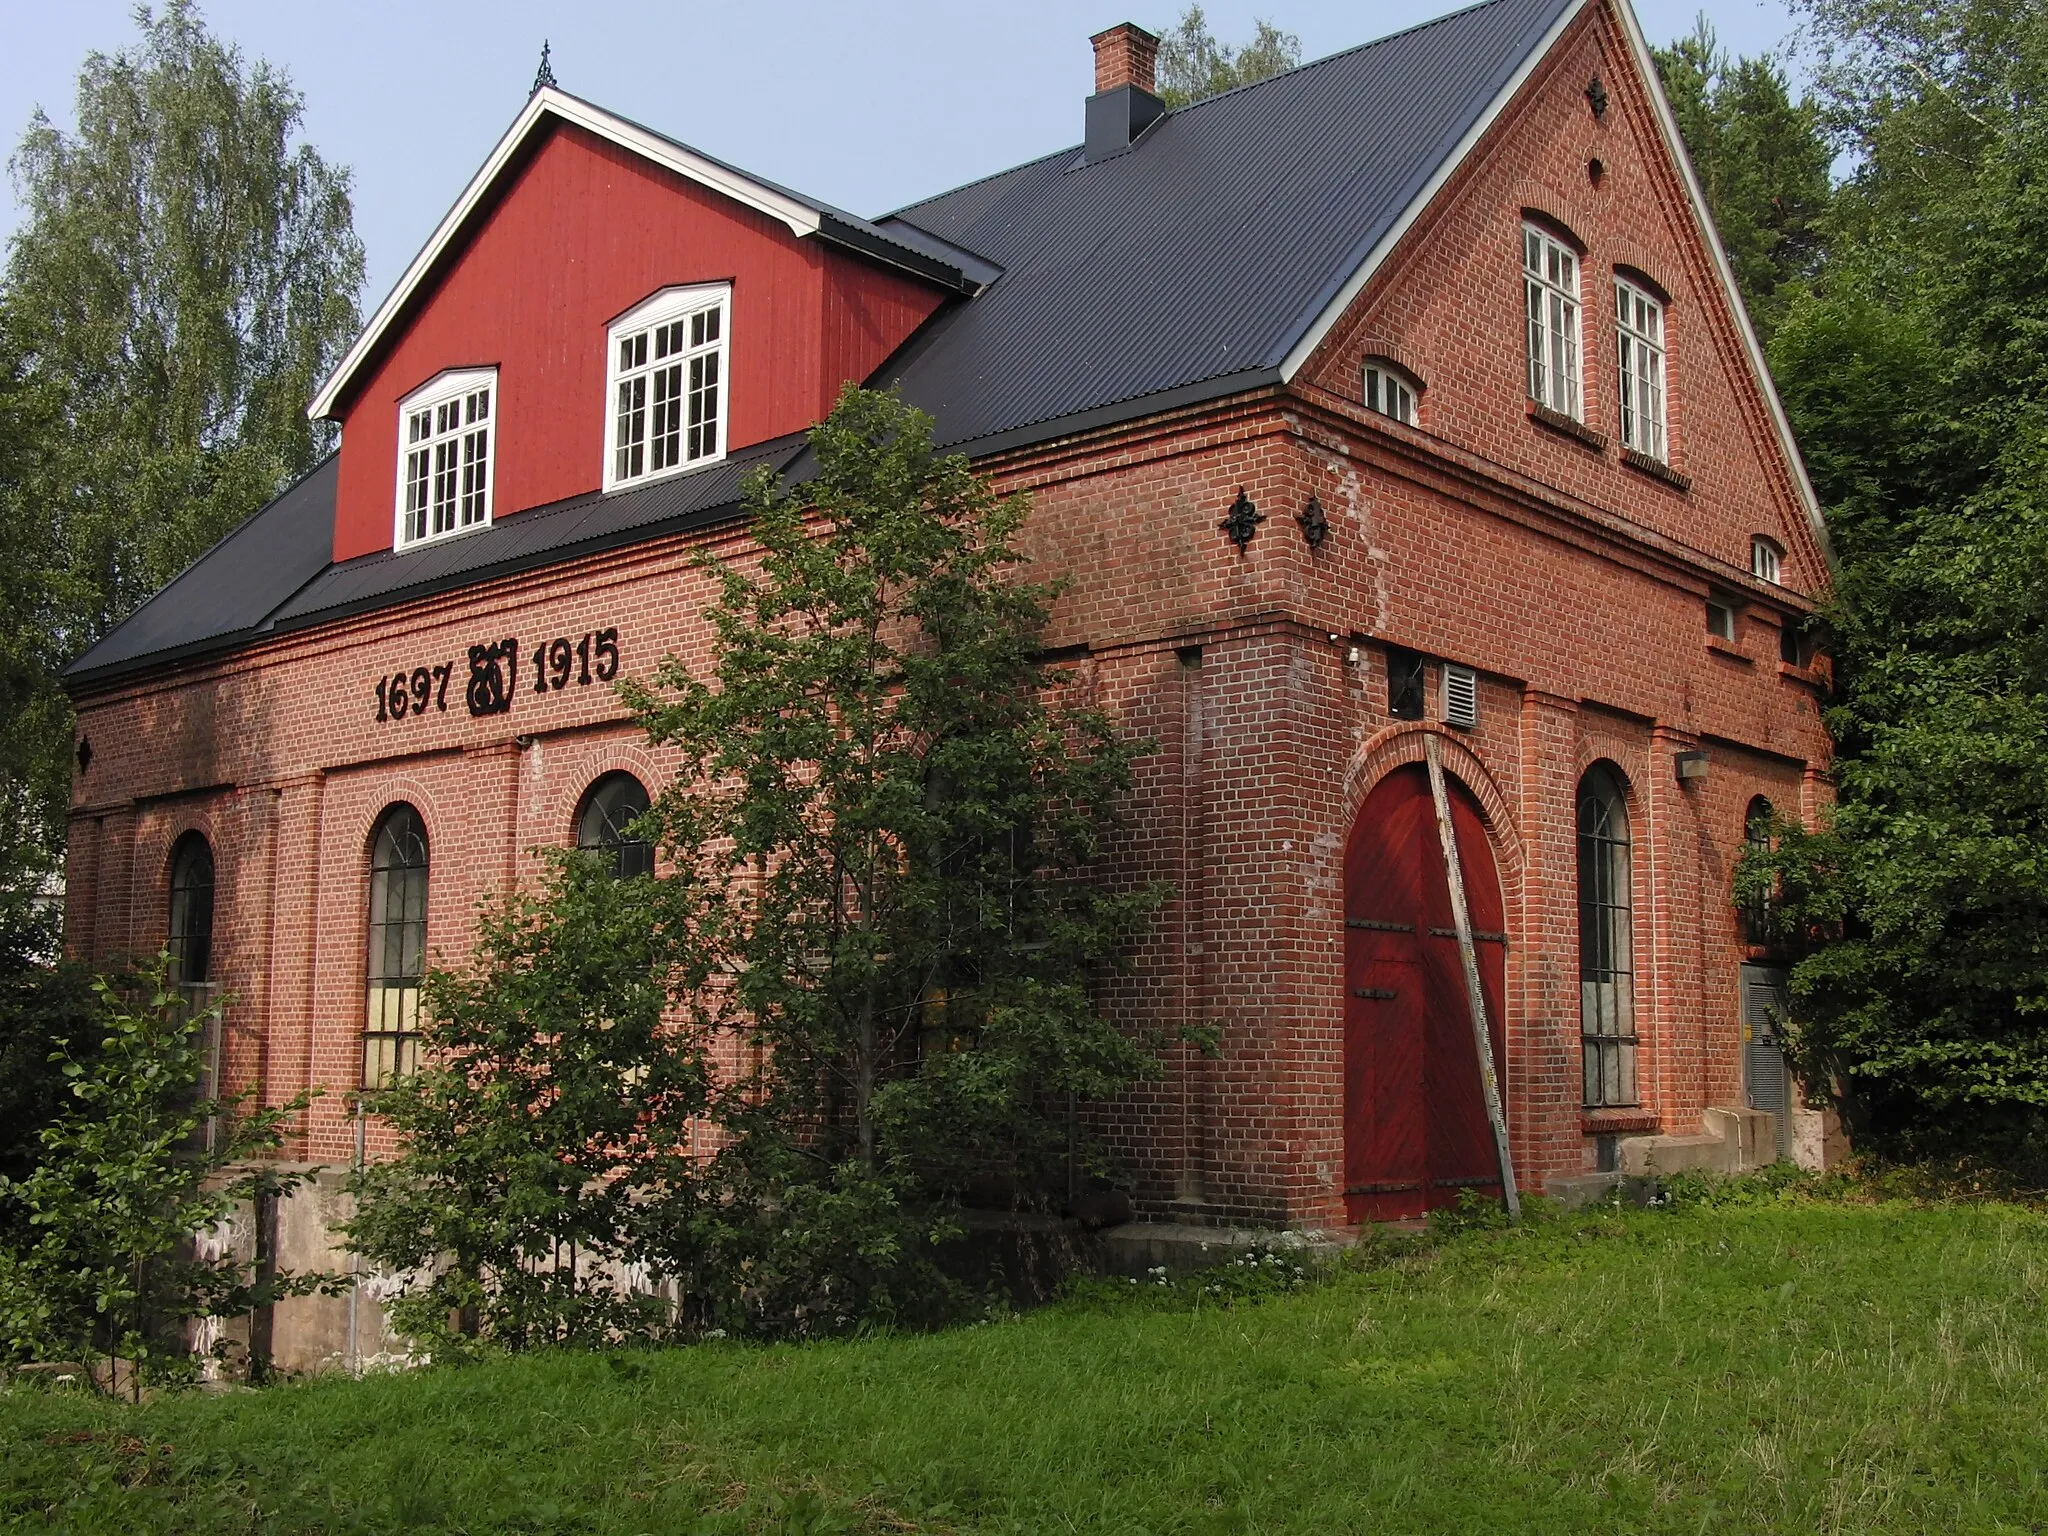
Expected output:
(868, 106)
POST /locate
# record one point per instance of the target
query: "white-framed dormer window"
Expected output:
(1389, 390)
(1639, 351)
(1766, 560)
(445, 444)
(666, 389)
(1550, 274)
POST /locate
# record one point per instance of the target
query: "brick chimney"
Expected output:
(1126, 100)
(1125, 55)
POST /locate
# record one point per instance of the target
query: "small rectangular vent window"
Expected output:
(1720, 619)
(1461, 696)
(1405, 697)
(1388, 393)
(1766, 561)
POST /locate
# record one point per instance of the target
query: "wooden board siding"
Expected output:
(583, 233)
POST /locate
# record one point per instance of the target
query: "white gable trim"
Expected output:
(1646, 71)
(1376, 257)
(801, 218)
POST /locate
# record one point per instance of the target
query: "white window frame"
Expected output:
(470, 505)
(1721, 618)
(1391, 390)
(1550, 281)
(1766, 560)
(669, 307)
(1640, 362)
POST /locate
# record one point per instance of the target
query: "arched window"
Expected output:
(1756, 836)
(1607, 1015)
(398, 946)
(610, 807)
(191, 922)
(1391, 390)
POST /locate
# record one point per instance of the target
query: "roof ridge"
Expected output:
(1341, 53)
(1069, 149)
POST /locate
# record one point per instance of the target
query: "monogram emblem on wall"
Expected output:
(493, 670)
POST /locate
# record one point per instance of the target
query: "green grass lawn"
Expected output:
(1787, 1365)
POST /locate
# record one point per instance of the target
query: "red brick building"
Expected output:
(1406, 395)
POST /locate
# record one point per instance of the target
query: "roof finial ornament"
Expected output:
(544, 77)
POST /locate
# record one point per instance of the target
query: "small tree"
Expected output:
(1193, 66)
(102, 1263)
(1915, 369)
(903, 825)
(548, 1187)
(1762, 159)
(184, 275)
(858, 989)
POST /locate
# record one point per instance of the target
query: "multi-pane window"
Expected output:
(605, 825)
(668, 395)
(398, 947)
(1639, 352)
(1550, 274)
(1756, 837)
(1607, 1019)
(1766, 560)
(1389, 392)
(1791, 647)
(190, 947)
(444, 472)
(191, 916)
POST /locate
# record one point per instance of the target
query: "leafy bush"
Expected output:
(547, 1192)
(103, 1264)
(42, 1003)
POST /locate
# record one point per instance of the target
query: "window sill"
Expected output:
(1729, 649)
(1656, 469)
(1569, 426)
(1617, 1122)
(1807, 675)
(669, 472)
(436, 540)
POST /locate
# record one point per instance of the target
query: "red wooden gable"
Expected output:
(577, 235)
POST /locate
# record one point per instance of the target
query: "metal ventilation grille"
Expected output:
(1461, 696)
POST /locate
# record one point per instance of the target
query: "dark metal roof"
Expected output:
(1184, 268)
(579, 526)
(226, 594)
(1210, 247)
(275, 572)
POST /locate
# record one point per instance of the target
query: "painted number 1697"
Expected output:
(411, 693)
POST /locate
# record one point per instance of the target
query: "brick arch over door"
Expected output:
(1415, 1127)
(1388, 749)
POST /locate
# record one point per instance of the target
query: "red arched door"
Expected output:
(1415, 1127)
